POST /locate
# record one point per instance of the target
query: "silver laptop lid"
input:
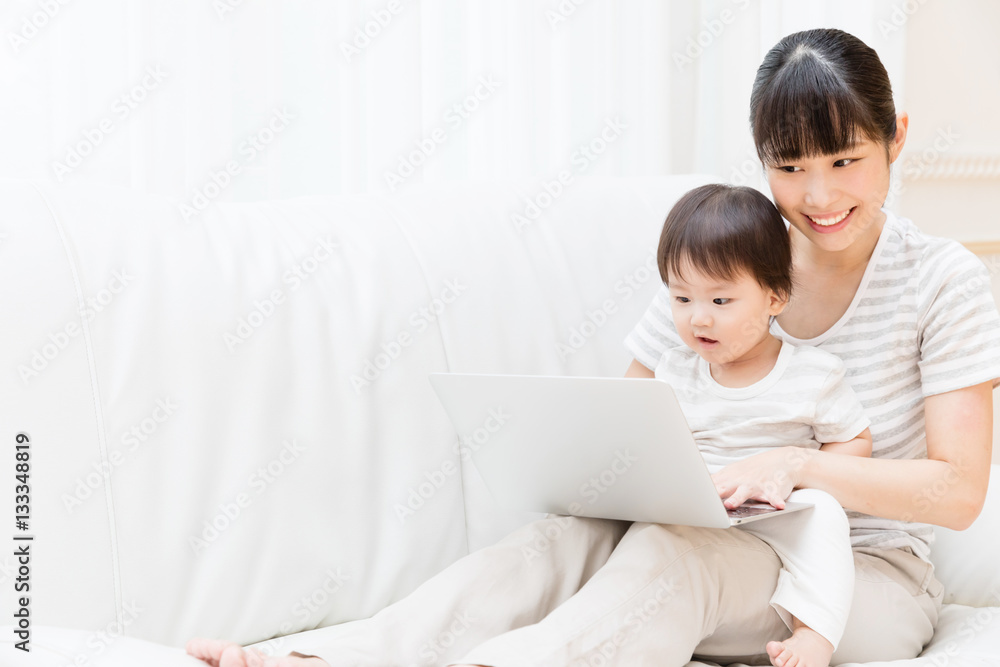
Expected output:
(615, 448)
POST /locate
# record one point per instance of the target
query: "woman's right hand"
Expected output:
(222, 653)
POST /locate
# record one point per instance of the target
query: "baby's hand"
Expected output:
(768, 477)
(222, 653)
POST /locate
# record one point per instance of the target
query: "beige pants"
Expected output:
(574, 591)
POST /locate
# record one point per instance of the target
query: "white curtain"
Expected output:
(250, 99)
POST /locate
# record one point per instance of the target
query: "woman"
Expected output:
(912, 318)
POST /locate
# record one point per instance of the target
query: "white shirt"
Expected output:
(803, 401)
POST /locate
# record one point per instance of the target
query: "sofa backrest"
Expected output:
(231, 410)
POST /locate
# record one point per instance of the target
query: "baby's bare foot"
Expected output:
(805, 648)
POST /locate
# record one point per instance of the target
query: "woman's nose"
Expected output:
(821, 192)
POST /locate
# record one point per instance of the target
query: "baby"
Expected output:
(724, 255)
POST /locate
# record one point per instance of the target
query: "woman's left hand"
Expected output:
(768, 477)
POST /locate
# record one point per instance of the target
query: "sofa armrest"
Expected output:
(966, 561)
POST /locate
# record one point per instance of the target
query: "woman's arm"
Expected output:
(637, 370)
(947, 488)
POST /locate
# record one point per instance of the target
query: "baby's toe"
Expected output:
(774, 649)
(233, 656)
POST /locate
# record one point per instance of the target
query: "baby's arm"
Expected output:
(839, 412)
(859, 446)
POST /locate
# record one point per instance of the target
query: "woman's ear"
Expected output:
(896, 145)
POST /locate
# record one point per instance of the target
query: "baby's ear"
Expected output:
(778, 302)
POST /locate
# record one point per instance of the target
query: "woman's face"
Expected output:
(835, 200)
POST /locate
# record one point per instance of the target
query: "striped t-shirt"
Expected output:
(803, 401)
(922, 322)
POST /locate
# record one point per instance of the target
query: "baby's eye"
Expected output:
(720, 301)
(682, 299)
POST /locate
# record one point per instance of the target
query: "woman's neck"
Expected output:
(850, 260)
(826, 283)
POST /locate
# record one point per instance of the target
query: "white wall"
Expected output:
(993, 261)
(950, 167)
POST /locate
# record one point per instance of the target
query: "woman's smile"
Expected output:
(828, 223)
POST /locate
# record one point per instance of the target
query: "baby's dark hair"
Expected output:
(725, 231)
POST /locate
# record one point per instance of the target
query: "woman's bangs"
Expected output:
(808, 112)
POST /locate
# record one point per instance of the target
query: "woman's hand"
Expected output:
(768, 477)
(222, 653)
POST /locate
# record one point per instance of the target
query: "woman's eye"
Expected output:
(720, 301)
(843, 162)
(789, 169)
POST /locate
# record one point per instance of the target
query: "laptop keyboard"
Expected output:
(749, 510)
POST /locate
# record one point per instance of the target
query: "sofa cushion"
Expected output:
(968, 562)
(964, 637)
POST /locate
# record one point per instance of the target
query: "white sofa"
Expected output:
(231, 429)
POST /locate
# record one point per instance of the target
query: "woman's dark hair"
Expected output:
(818, 92)
(724, 231)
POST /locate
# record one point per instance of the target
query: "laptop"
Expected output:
(611, 448)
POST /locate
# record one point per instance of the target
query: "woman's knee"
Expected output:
(661, 542)
(556, 532)
(893, 613)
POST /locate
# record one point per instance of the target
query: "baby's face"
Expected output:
(721, 320)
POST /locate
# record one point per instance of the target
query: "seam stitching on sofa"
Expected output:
(98, 414)
(444, 348)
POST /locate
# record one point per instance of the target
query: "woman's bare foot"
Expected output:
(222, 653)
(805, 648)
